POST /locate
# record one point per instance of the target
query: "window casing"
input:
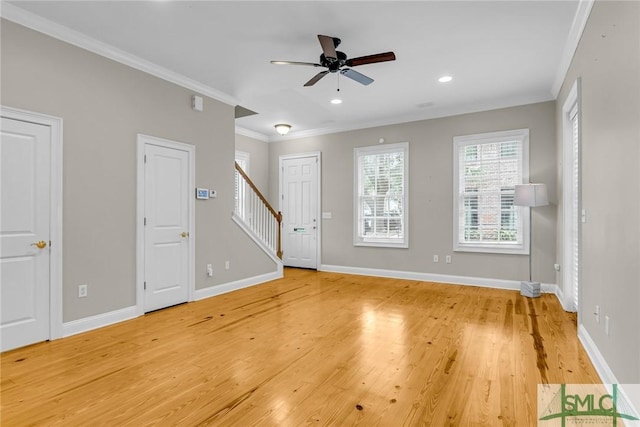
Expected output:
(486, 169)
(381, 202)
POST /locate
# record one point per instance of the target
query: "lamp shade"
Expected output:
(531, 195)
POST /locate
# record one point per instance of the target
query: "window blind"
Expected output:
(381, 195)
(575, 206)
(488, 173)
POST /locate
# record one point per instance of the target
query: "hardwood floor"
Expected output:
(309, 349)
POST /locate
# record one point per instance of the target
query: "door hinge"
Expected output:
(145, 220)
(49, 243)
(145, 286)
(145, 158)
(283, 197)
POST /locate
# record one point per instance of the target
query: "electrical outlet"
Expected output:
(209, 270)
(447, 259)
(436, 258)
(606, 325)
(556, 267)
(227, 265)
(597, 314)
(83, 290)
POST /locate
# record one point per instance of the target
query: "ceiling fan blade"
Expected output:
(354, 75)
(328, 47)
(371, 59)
(317, 77)
(311, 64)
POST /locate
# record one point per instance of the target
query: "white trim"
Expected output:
(573, 39)
(602, 367)
(573, 98)
(431, 277)
(105, 319)
(421, 116)
(256, 238)
(60, 32)
(521, 135)
(142, 140)
(55, 232)
(251, 134)
(238, 284)
(599, 362)
(318, 156)
(98, 321)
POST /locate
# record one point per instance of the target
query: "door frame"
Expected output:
(318, 156)
(143, 140)
(55, 219)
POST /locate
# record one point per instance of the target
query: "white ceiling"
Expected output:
(500, 53)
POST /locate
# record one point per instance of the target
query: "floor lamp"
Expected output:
(530, 196)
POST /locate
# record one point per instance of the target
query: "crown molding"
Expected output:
(251, 134)
(445, 112)
(27, 19)
(575, 33)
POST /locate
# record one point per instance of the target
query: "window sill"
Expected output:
(492, 249)
(382, 244)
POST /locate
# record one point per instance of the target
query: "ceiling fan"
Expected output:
(336, 61)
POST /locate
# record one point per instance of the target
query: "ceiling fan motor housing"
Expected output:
(333, 64)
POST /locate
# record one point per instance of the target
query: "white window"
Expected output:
(571, 199)
(486, 168)
(241, 202)
(381, 195)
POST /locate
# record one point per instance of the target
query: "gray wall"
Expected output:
(258, 162)
(608, 63)
(431, 193)
(104, 105)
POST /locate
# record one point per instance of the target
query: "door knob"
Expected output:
(184, 234)
(40, 245)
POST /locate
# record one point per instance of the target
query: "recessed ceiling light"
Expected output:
(336, 101)
(445, 79)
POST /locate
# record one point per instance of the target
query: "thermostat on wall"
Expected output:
(202, 193)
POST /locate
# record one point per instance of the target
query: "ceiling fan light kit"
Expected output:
(335, 61)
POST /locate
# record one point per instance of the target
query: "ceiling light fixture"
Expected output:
(283, 128)
(445, 79)
(336, 101)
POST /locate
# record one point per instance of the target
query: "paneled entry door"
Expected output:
(25, 179)
(299, 205)
(167, 223)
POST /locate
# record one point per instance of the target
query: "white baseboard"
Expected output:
(604, 371)
(439, 278)
(602, 368)
(105, 319)
(98, 321)
(238, 284)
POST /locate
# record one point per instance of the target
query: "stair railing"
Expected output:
(256, 212)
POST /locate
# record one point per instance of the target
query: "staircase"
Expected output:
(253, 213)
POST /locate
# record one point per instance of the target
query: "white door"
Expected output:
(300, 211)
(25, 151)
(167, 224)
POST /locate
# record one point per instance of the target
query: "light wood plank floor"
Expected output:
(310, 349)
